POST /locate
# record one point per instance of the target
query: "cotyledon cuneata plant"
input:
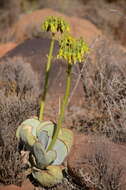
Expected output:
(47, 142)
(36, 136)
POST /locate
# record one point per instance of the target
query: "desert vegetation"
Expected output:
(100, 118)
(18, 100)
(104, 85)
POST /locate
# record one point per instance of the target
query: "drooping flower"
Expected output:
(55, 24)
(71, 49)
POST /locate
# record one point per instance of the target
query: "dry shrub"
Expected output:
(10, 164)
(17, 103)
(17, 77)
(106, 15)
(9, 10)
(62, 6)
(96, 163)
(13, 110)
(106, 171)
(104, 82)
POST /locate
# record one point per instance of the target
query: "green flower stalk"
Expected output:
(72, 51)
(48, 67)
(51, 24)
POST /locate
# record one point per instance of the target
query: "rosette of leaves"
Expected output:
(45, 163)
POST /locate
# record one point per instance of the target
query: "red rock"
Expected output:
(23, 29)
(27, 185)
(10, 187)
(85, 149)
(4, 48)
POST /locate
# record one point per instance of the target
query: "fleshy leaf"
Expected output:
(66, 135)
(63, 145)
(43, 138)
(33, 122)
(42, 158)
(46, 126)
(51, 156)
(49, 127)
(49, 177)
(24, 133)
(61, 152)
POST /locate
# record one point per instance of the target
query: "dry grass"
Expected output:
(10, 164)
(105, 172)
(17, 103)
(104, 84)
(13, 111)
(96, 163)
(17, 77)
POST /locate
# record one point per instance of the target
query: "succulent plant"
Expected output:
(37, 136)
(47, 142)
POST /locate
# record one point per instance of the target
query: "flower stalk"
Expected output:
(63, 106)
(48, 68)
(72, 51)
(51, 24)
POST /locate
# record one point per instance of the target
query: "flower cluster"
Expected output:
(71, 49)
(55, 24)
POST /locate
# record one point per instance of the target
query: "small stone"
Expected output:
(27, 185)
(77, 162)
(10, 187)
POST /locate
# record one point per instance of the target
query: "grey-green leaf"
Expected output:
(42, 158)
(43, 138)
(61, 152)
(34, 123)
(24, 133)
(49, 177)
(46, 126)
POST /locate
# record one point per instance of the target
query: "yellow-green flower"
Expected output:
(72, 50)
(55, 24)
